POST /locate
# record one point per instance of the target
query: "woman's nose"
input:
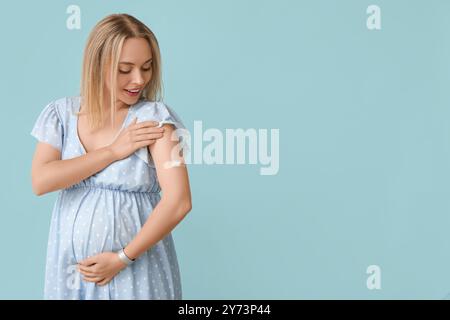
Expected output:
(138, 78)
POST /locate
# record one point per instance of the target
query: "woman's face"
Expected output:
(135, 71)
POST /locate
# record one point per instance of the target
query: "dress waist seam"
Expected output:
(111, 189)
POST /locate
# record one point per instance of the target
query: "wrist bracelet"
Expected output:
(124, 257)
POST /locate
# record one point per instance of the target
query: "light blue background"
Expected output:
(364, 142)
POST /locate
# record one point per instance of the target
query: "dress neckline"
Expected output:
(78, 107)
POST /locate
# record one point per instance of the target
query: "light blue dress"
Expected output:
(105, 211)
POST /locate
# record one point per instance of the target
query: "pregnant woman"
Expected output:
(110, 151)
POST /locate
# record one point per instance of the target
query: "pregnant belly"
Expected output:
(105, 221)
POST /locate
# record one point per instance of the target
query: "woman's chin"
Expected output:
(129, 100)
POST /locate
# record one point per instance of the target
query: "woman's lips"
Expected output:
(132, 94)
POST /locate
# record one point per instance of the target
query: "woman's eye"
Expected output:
(144, 69)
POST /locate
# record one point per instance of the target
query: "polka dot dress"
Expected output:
(104, 212)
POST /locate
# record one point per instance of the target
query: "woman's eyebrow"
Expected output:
(125, 62)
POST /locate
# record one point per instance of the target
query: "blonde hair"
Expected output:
(103, 47)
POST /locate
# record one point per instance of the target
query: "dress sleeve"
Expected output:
(48, 127)
(162, 113)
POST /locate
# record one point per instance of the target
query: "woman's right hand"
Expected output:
(134, 137)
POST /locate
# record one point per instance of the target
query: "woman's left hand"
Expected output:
(101, 268)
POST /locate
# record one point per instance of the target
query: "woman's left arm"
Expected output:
(175, 203)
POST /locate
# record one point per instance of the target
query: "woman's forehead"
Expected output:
(135, 51)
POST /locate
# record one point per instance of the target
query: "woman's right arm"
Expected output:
(50, 173)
